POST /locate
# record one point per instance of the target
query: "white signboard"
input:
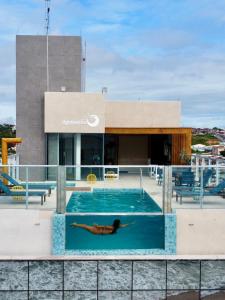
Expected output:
(74, 112)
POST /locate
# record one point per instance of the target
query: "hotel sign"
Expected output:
(74, 112)
(91, 120)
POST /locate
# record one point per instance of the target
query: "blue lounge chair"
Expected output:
(31, 186)
(9, 192)
(206, 176)
(160, 176)
(196, 192)
(187, 182)
(184, 178)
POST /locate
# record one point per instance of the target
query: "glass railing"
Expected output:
(158, 189)
(28, 187)
(112, 181)
(198, 186)
(51, 187)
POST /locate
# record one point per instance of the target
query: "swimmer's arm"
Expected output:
(125, 225)
(78, 225)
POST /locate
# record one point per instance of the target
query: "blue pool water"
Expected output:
(112, 200)
(144, 232)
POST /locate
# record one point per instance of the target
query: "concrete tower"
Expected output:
(64, 73)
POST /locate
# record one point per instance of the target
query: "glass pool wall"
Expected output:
(147, 234)
(142, 232)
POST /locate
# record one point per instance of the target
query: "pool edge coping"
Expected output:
(116, 257)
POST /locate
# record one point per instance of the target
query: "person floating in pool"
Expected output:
(101, 229)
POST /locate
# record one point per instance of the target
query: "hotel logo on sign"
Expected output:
(91, 121)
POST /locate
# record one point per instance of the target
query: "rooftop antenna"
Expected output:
(84, 66)
(104, 90)
(47, 21)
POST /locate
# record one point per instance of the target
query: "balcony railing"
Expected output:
(171, 187)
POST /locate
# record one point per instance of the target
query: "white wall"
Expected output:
(25, 232)
(28, 232)
(200, 231)
(143, 114)
(68, 112)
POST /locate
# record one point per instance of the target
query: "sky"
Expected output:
(138, 49)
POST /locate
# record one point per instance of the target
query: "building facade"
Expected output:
(60, 124)
(87, 129)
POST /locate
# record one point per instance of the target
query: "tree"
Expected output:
(185, 158)
(7, 131)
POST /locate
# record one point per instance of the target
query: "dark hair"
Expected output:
(116, 225)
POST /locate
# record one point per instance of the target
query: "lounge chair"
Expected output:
(185, 178)
(206, 176)
(196, 191)
(159, 176)
(187, 182)
(9, 192)
(31, 186)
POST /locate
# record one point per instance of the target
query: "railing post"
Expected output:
(217, 172)
(210, 167)
(17, 168)
(167, 189)
(156, 173)
(27, 179)
(141, 183)
(201, 189)
(203, 163)
(78, 156)
(61, 192)
(197, 168)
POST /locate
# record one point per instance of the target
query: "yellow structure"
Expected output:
(91, 178)
(5, 143)
(18, 188)
(110, 175)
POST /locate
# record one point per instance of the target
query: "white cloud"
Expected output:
(166, 38)
(198, 81)
(101, 28)
(138, 49)
(8, 113)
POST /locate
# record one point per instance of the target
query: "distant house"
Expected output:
(199, 147)
(216, 149)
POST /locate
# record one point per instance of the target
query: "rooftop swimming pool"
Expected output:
(101, 207)
(111, 201)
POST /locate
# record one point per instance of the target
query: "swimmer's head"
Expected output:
(116, 225)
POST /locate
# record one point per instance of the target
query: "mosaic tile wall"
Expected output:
(109, 280)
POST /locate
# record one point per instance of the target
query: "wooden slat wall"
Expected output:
(180, 142)
(181, 138)
(115, 130)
